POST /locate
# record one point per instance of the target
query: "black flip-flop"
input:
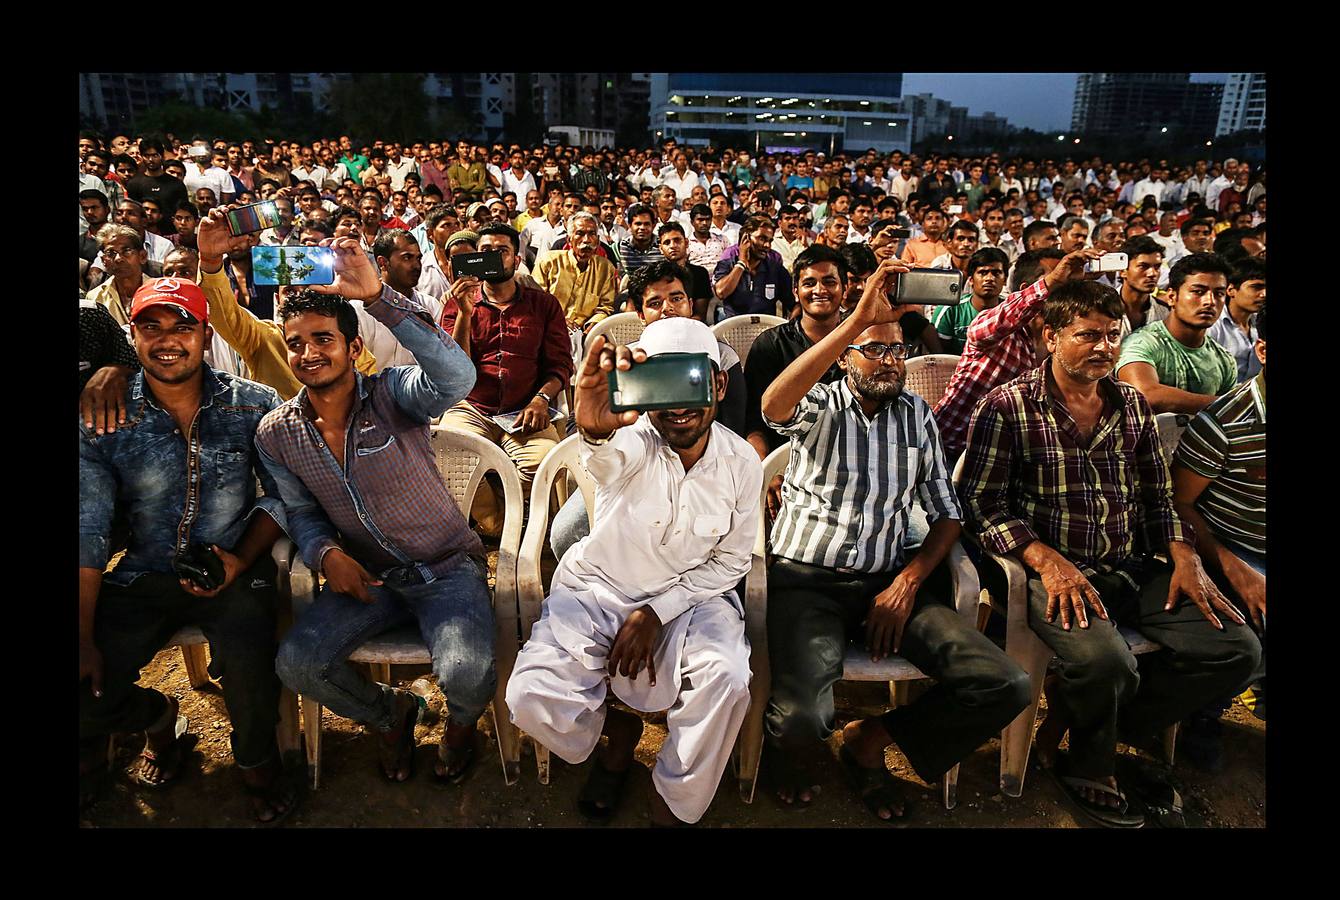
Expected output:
(1153, 794)
(451, 758)
(876, 788)
(780, 771)
(172, 757)
(603, 786)
(1106, 816)
(281, 781)
(405, 748)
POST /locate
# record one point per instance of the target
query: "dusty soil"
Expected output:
(353, 793)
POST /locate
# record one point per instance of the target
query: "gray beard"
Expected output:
(871, 389)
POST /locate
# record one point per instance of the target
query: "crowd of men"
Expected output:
(198, 384)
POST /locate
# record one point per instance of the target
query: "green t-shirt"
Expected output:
(951, 324)
(1207, 369)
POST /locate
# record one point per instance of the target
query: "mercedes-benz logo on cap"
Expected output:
(171, 285)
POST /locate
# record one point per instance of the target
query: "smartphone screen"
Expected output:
(482, 264)
(667, 381)
(252, 218)
(293, 265)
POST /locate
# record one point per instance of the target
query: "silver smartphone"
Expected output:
(935, 287)
(1108, 262)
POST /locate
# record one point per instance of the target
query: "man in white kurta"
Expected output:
(668, 548)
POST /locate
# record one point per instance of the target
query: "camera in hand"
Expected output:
(934, 287)
(482, 265)
(665, 381)
(201, 566)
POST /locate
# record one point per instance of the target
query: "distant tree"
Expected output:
(389, 105)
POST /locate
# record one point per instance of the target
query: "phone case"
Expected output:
(253, 217)
(668, 381)
(936, 287)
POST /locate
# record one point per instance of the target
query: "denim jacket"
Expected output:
(174, 489)
(387, 505)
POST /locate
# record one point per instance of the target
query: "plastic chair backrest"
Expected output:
(462, 460)
(1171, 426)
(530, 584)
(928, 376)
(739, 332)
(620, 328)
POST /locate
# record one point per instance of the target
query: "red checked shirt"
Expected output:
(1104, 503)
(515, 350)
(999, 348)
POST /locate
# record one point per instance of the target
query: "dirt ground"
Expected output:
(353, 793)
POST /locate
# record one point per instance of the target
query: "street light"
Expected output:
(1163, 130)
(1076, 140)
(950, 138)
(1060, 137)
(1209, 143)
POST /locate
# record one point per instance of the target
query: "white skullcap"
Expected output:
(679, 335)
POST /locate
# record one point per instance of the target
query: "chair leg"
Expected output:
(749, 746)
(381, 672)
(1032, 655)
(287, 733)
(951, 788)
(311, 728)
(197, 667)
(1170, 743)
(541, 761)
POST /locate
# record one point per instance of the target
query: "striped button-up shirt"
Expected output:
(1030, 476)
(1227, 444)
(386, 506)
(848, 489)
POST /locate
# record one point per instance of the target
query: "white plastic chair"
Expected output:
(620, 328)
(739, 332)
(1171, 426)
(856, 664)
(1029, 651)
(192, 642)
(928, 376)
(462, 460)
(529, 581)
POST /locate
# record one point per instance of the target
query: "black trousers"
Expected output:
(1107, 691)
(134, 622)
(814, 613)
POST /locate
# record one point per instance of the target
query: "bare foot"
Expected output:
(866, 741)
(396, 758)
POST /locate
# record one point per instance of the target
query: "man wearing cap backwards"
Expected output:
(648, 598)
(182, 472)
(357, 471)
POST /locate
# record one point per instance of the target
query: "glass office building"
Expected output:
(777, 111)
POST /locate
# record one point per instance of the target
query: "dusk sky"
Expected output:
(1029, 100)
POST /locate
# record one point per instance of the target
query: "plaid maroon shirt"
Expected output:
(999, 348)
(1029, 475)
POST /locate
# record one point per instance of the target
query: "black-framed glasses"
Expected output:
(876, 350)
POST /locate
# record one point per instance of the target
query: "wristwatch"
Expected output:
(593, 441)
(547, 398)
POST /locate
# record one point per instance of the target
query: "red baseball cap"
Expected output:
(184, 296)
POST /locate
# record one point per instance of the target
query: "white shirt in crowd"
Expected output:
(317, 175)
(379, 339)
(398, 171)
(216, 179)
(518, 185)
(729, 233)
(683, 184)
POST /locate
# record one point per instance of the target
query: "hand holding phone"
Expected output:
(592, 396)
(666, 381)
(1108, 262)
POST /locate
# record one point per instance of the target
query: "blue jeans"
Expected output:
(571, 524)
(455, 616)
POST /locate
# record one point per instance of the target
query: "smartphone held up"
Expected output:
(293, 265)
(665, 381)
(253, 217)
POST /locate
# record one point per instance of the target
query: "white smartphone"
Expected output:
(1108, 262)
(956, 209)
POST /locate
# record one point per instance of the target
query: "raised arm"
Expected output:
(784, 394)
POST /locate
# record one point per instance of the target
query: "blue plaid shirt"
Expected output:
(173, 489)
(387, 507)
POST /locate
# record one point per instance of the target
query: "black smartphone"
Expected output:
(201, 566)
(481, 265)
(935, 287)
(900, 234)
(667, 381)
(253, 217)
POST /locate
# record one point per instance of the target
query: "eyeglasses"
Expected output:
(876, 350)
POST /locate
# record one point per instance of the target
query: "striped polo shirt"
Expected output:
(849, 485)
(1227, 444)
